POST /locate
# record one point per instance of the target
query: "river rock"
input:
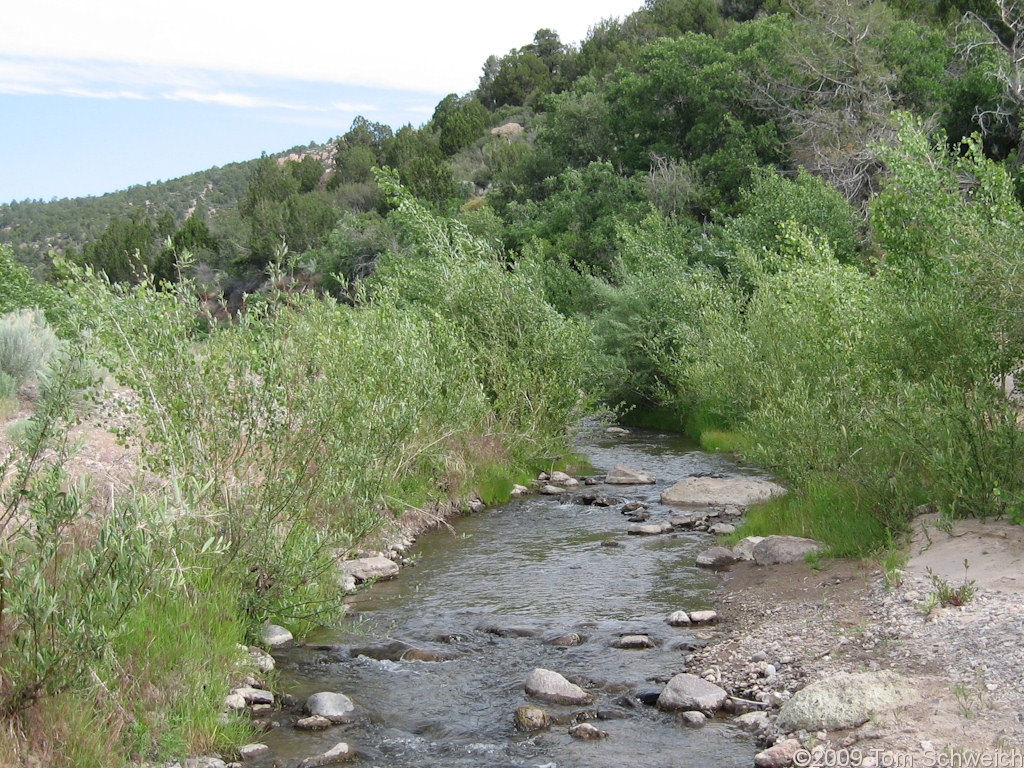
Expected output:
(274, 636)
(250, 752)
(396, 650)
(752, 722)
(623, 475)
(560, 478)
(635, 642)
(552, 490)
(722, 529)
(687, 692)
(693, 718)
(616, 431)
(367, 568)
(703, 617)
(716, 557)
(551, 686)
(234, 702)
(313, 723)
(778, 756)
(567, 641)
(744, 548)
(846, 700)
(606, 501)
(530, 719)
(721, 491)
(518, 490)
(253, 696)
(336, 707)
(587, 732)
(648, 529)
(784, 549)
(260, 659)
(339, 753)
(679, 619)
(476, 506)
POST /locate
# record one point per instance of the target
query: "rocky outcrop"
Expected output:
(689, 692)
(551, 686)
(783, 549)
(846, 700)
(721, 491)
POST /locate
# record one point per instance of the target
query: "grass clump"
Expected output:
(715, 440)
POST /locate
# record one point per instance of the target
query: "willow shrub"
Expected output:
(291, 430)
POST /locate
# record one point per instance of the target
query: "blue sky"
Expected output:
(99, 95)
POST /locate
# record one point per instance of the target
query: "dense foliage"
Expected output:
(790, 228)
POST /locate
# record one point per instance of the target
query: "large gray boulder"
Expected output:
(623, 475)
(551, 686)
(783, 549)
(846, 700)
(744, 548)
(336, 707)
(686, 692)
(721, 491)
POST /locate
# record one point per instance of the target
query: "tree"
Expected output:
(123, 250)
(307, 172)
(459, 121)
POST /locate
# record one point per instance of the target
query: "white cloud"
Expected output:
(399, 44)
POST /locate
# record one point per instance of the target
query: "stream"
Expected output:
(488, 599)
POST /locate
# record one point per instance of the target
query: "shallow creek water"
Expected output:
(488, 597)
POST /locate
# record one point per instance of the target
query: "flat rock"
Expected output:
(780, 755)
(275, 636)
(635, 642)
(531, 719)
(234, 701)
(716, 557)
(551, 686)
(559, 478)
(679, 619)
(518, 490)
(648, 529)
(623, 475)
(253, 751)
(313, 723)
(552, 490)
(744, 548)
(721, 491)
(367, 568)
(339, 753)
(336, 707)
(722, 529)
(703, 617)
(688, 692)
(845, 700)
(784, 549)
(616, 431)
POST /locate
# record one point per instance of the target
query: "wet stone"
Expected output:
(634, 642)
(587, 732)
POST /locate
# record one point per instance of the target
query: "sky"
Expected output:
(98, 95)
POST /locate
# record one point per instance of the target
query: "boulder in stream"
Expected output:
(551, 686)
(716, 557)
(531, 719)
(336, 707)
(702, 491)
(689, 692)
(587, 732)
(339, 753)
(623, 475)
(367, 568)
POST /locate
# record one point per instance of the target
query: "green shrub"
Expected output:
(26, 344)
